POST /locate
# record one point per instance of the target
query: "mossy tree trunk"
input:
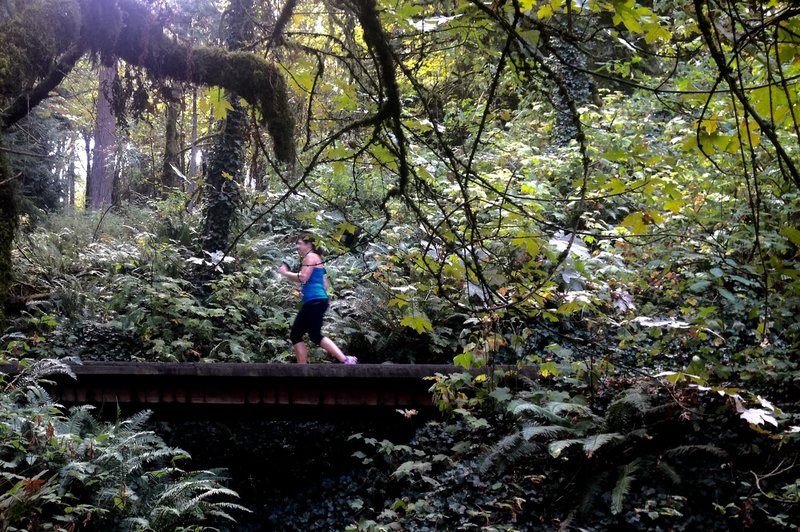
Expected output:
(226, 164)
(169, 177)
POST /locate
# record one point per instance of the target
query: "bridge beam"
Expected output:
(245, 390)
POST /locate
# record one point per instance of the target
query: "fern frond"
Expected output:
(635, 398)
(547, 431)
(667, 469)
(507, 452)
(557, 447)
(136, 523)
(560, 408)
(623, 486)
(551, 412)
(138, 421)
(592, 443)
(81, 421)
(682, 450)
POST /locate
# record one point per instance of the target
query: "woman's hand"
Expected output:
(283, 268)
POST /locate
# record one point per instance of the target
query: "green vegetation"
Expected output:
(68, 471)
(607, 190)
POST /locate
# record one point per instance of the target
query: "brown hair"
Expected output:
(308, 238)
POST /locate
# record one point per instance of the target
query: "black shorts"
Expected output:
(309, 320)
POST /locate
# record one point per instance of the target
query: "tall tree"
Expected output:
(100, 182)
(43, 40)
(172, 164)
(226, 164)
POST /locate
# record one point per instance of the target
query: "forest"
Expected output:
(604, 190)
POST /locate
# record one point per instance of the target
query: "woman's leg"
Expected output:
(328, 345)
(299, 328)
(318, 308)
(301, 352)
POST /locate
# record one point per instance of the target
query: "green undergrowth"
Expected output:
(67, 470)
(510, 453)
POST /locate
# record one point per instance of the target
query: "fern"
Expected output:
(509, 451)
(682, 450)
(668, 471)
(557, 447)
(623, 486)
(31, 374)
(593, 443)
(545, 431)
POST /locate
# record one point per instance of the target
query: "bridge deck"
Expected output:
(199, 390)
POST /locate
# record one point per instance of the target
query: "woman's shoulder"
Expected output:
(313, 259)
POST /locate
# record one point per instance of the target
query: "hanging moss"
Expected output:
(32, 41)
(102, 24)
(141, 41)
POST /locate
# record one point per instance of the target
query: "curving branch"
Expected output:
(367, 14)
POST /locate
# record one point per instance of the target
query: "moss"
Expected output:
(102, 25)
(32, 41)
(141, 41)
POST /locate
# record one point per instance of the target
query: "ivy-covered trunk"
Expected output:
(223, 181)
(226, 164)
(170, 178)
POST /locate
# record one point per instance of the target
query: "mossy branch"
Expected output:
(141, 41)
(126, 29)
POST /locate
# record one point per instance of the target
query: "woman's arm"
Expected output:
(310, 261)
(283, 269)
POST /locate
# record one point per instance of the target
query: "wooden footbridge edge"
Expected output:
(223, 390)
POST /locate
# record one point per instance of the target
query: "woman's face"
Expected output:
(303, 247)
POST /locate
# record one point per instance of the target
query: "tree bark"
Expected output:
(71, 181)
(8, 226)
(226, 164)
(170, 179)
(100, 186)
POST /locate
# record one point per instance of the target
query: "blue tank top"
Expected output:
(314, 288)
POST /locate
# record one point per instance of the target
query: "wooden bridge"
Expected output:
(242, 390)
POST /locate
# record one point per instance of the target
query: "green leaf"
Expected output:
(624, 12)
(464, 360)
(792, 234)
(417, 321)
(635, 222)
(548, 368)
(501, 394)
(219, 104)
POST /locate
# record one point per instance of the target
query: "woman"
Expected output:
(314, 285)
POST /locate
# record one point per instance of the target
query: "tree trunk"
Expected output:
(193, 152)
(8, 226)
(71, 182)
(169, 176)
(226, 164)
(100, 185)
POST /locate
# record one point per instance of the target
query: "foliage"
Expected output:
(69, 471)
(606, 190)
(518, 454)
